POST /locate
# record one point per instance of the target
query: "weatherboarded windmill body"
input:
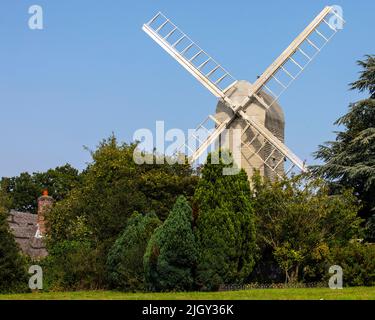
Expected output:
(250, 107)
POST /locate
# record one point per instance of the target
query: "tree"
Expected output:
(13, 273)
(23, 192)
(112, 187)
(125, 259)
(59, 181)
(171, 252)
(25, 189)
(225, 227)
(349, 161)
(300, 221)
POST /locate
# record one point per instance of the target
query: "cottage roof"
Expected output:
(24, 226)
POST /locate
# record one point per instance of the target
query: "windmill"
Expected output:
(251, 107)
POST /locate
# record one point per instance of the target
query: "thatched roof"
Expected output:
(24, 227)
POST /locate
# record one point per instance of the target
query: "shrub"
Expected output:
(125, 259)
(358, 263)
(72, 265)
(171, 252)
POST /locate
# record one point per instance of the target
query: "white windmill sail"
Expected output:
(217, 80)
(297, 56)
(275, 73)
(194, 59)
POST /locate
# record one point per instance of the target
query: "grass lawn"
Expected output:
(358, 293)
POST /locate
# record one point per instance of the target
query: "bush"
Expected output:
(72, 265)
(171, 252)
(298, 220)
(13, 271)
(125, 259)
(358, 263)
(225, 228)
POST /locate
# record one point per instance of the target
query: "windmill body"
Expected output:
(251, 107)
(271, 118)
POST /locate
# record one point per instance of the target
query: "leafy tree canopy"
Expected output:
(24, 190)
(113, 186)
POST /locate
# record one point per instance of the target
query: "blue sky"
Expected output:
(92, 71)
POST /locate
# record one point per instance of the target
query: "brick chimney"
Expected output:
(45, 203)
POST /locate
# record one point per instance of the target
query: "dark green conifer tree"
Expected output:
(125, 259)
(171, 253)
(225, 228)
